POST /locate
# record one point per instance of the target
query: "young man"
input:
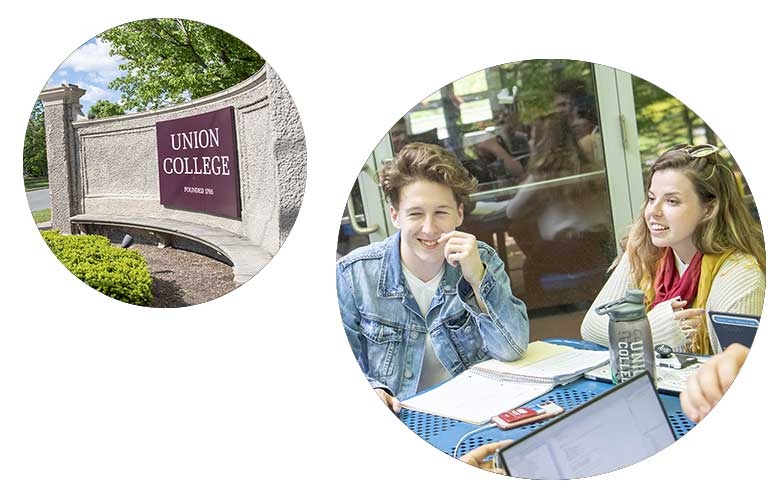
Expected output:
(429, 301)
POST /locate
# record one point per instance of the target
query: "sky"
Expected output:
(92, 68)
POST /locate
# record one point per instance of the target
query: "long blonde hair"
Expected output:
(729, 225)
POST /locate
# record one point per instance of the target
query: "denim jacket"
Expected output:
(387, 331)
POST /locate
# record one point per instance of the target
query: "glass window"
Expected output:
(664, 121)
(528, 131)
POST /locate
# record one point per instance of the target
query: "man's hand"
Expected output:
(461, 249)
(706, 386)
(477, 456)
(390, 401)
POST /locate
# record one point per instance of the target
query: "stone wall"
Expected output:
(109, 166)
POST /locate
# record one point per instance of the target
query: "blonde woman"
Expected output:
(695, 248)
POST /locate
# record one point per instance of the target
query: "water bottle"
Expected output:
(630, 337)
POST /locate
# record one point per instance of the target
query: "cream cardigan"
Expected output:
(738, 287)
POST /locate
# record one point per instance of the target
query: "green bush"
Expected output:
(116, 272)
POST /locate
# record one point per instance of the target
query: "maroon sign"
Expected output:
(198, 163)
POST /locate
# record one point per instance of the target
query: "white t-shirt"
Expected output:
(432, 371)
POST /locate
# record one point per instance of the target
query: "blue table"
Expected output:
(444, 433)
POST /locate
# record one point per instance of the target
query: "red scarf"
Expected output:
(668, 283)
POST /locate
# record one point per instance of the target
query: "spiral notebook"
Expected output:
(556, 365)
(492, 387)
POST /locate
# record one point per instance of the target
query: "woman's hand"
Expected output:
(689, 319)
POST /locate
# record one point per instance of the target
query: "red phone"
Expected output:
(526, 415)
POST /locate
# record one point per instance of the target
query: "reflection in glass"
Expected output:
(529, 132)
(664, 121)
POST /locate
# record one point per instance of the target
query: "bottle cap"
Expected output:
(634, 296)
(630, 306)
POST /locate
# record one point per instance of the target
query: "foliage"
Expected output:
(662, 120)
(171, 60)
(535, 80)
(34, 161)
(35, 183)
(104, 108)
(116, 272)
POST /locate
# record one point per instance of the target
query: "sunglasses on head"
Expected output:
(696, 151)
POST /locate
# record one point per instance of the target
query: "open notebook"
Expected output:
(492, 387)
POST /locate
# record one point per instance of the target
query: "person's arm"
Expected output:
(663, 322)
(461, 250)
(351, 320)
(484, 289)
(522, 199)
(666, 320)
(709, 383)
(511, 165)
(477, 456)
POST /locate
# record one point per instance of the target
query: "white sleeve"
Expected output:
(595, 328)
(738, 288)
(665, 328)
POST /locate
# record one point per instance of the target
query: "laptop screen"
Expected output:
(617, 428)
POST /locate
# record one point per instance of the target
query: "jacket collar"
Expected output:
(391, 283)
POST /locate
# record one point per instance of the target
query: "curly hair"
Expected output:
(423, 161)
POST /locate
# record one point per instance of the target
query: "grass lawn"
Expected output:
(35, 183)
(42, 215)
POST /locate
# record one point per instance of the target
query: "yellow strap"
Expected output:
(710, 265)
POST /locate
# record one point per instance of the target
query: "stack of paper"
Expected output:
(492, 387)
(474, 398)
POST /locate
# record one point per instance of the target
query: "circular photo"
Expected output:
(550, 269)
(164, 162)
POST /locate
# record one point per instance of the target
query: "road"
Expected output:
(39, 199)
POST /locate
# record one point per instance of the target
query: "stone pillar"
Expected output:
(61, 107)
(290, 152)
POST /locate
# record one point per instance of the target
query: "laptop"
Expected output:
(734, 328)
(617, 428)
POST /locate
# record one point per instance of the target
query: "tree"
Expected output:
(104, 108)
(34, 161)
(172, 60)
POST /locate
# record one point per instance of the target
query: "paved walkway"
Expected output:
(39, 199)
